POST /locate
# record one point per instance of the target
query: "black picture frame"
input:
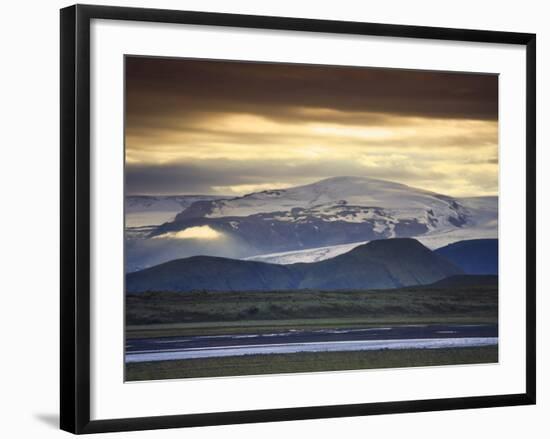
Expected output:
(75, 217)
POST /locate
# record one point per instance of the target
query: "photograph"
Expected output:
(284, 218)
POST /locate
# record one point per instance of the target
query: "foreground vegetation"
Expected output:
(308, 362)
(161, 314)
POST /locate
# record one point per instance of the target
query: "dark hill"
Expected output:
(213, 274)
(466, 280)
(387, 263)
(474, 256)
(382, 264)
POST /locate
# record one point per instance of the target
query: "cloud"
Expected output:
(235, 177)
(243, 137)
(165, 86)
(198, 232)
(209, 127)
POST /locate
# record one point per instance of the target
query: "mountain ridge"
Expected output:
(474, 256)
(381, 264)
(332, 211)
(466, 280)
(336, 211)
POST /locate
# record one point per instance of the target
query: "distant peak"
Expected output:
(359, 181)
(350, 178)
(392, 243)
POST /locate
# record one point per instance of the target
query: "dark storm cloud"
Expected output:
(162, 87)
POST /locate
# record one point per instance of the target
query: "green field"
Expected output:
(308, 362)
(161, 314)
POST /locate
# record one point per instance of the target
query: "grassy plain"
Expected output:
(162, 314)
(308, 362)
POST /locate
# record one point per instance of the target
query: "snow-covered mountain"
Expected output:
(433, 241)
(482, 223)
(382, 203)
(321, 220)
(147, 210)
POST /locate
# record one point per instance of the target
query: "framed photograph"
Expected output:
(304, 218)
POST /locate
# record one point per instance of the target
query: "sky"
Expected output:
(231, 128)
